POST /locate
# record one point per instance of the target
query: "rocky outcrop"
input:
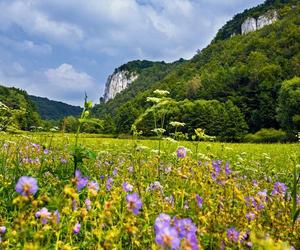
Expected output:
(117, 82)
(251, 24)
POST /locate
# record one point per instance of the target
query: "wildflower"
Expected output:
(190, 242)
(63, 160)
(46, 151)
(2, 230)
(279, 189)
(199, 200)
(168, 238)
(115, 172)
(263, 196)
(44, 215)
(26, 186)
(76, 228)
(227, 169)
(181, 152)
(88, 204)
(74, 204)
(56, 217)
(93, 187)
(250, 216)
(233, 234)
(185, 227)
(127, 187)
(170, 200)
(134, 203)
(155, 186)
(162, 221)
(109, 183)
(79, 180)
(130, 169)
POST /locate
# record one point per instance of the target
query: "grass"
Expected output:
(164, 183)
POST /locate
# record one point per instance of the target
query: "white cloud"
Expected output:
(66, 77)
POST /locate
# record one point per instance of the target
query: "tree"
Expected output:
(288, 112)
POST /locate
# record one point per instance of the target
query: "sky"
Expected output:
(61, 49)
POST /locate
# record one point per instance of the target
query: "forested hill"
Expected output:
(247, 70)
(54, 110)
(17, 99)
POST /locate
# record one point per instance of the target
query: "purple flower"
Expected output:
(168, 238)
(298, 199)
(115, 172)
(190, 242)
(162, 221)
(217, 166)
(63, 160)
(130, 169)
(170, 200)
(233, 234)
(181, 152)
(46, 151)
(185, 227)
(80, 181)
(127, 187)
(109, 183)
(88, 204)
(76, 228)
(56, 216)
(227, 169)
(199, 200)
(263, 195)
(74, 204)
(279, 189)
(26, 186)
(2, 230)
(44, 215)
(93, 186)
(134, 203)
(250, 216)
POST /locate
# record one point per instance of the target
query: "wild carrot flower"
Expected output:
(76, 228)
(168, 238)
(279, 189)
(44, 215)
(26, 186)
(134, 203)
(233, 234)
(181, 152)
(127, 187)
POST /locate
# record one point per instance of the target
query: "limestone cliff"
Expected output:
(117, 82)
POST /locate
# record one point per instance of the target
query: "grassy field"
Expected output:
(146, 194)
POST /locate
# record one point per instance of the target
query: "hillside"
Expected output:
(53, 110)
(17, 99)
(245, 69)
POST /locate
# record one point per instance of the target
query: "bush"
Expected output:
(266, 135)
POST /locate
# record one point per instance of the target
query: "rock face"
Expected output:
(251, 24)
(117, 82)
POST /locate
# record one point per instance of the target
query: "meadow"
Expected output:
(146, 194)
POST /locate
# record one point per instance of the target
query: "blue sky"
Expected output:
(61, 48)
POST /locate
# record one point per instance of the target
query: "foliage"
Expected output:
(53, 110)
(18, 101)
(289, 106)
(247, 70)
(270, 135)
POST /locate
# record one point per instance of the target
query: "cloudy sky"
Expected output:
(61, 48)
